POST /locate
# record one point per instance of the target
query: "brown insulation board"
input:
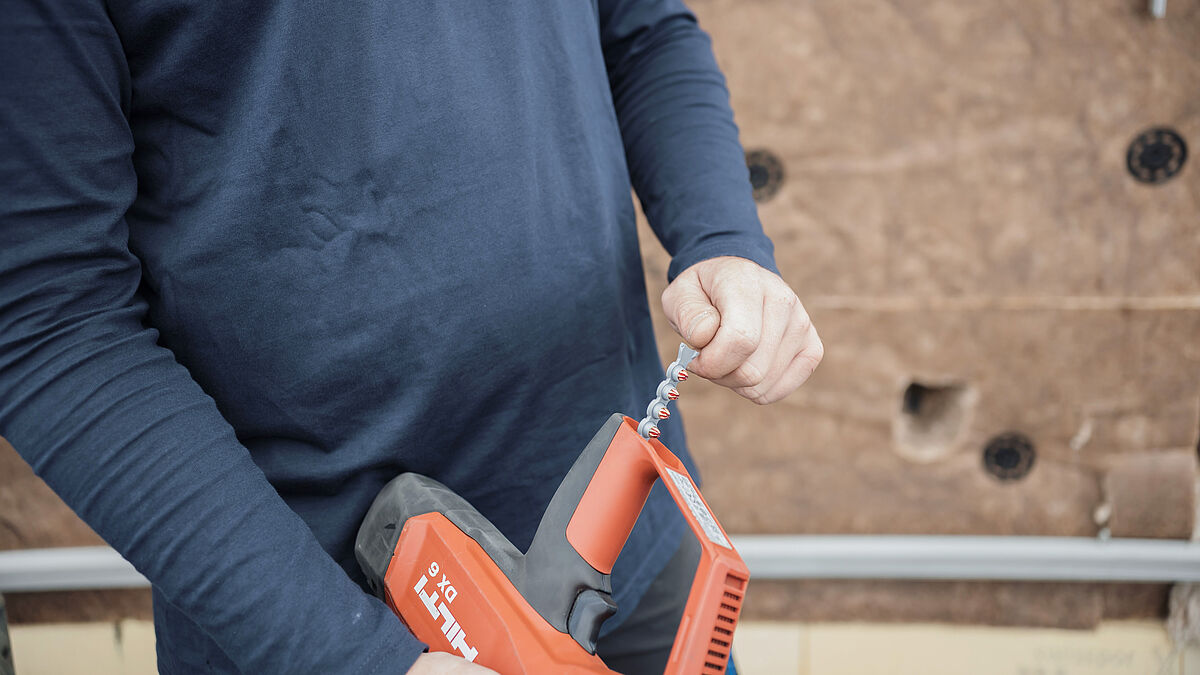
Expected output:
(953, 205)
(32, 516)
(1083, 387)
(1152, 494)
(968, 148)
(79, 606)
(1076, 605)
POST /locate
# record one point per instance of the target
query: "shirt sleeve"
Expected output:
(681, 143)
(106, 416)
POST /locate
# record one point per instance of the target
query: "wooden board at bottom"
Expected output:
(1036, 604)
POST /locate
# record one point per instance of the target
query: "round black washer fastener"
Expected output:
(1009, 456)
(766, 173)
(1156, 155)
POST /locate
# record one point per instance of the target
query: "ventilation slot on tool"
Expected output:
(727, 617)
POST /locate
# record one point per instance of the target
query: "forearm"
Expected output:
(121, 432)
(105, 415)
(681, 143)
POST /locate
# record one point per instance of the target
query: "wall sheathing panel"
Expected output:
(956, 212)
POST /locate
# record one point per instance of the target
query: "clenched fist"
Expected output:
(750, 328)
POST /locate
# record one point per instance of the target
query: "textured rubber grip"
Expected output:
(410, 495)
(551, 575)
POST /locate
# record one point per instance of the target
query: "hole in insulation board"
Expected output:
(766, 173)
(932, 420)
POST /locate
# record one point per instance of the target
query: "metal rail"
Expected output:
(973, 558)
(1065, 559)
(66, 569)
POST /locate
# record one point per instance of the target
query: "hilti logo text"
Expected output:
(438, 610)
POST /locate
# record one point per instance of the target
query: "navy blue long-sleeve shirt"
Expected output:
(257, 258)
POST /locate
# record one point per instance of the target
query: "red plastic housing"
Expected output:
(456, 599)
(606, 515)
(469, 608)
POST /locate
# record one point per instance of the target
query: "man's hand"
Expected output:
(752, 332)
(440, 663)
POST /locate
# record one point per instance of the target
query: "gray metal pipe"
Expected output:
(66, 569)
(965, 557)
(1063, 559)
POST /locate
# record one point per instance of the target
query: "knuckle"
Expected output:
(810, 359)
(750, 375)
(755, 394)
(785, 296)
(802, 322)
(818, 352)
(743, 340)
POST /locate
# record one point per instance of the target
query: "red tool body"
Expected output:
(463, 588)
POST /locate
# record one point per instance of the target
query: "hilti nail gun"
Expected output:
(463, 588)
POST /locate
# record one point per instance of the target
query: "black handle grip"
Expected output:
(551, 576)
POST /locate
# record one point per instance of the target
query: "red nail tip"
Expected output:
(654, 432)
(682, 375)
(673, 393)
(664, 414)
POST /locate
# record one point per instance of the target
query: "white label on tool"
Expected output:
(707, 522)
(455, 635)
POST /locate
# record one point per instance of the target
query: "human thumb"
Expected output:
(690, 312)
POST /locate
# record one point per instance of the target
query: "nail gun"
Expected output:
(461, 587)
